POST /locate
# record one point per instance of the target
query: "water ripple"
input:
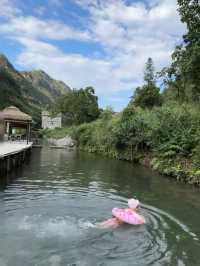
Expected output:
(55, 222)
(144, 245)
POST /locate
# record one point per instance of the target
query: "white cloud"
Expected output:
(108, 33)
(129, 34)
(119, 12)
(33, 27)
(7, 9)
(135, 21)
(40, 10)
(132, 33)
(66, 66)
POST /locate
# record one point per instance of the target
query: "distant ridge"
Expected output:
(45, 84)
(30, 91)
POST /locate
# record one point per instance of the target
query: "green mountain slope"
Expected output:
(49, 87)
(29, 91)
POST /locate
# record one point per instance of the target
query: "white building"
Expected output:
(51, 122)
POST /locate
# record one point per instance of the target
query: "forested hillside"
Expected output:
(30, 91)
(49, 87)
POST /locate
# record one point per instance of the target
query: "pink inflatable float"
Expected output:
(121, 216)
(128, 216)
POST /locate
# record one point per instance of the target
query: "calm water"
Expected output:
(48, 213)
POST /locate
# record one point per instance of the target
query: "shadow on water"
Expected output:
(50, 208)
(7, 178)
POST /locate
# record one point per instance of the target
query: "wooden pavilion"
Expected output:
(14, 124)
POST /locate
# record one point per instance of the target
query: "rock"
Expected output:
(62, 143)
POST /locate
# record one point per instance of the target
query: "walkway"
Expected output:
(9, 148)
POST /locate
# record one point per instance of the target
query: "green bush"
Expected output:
(171, 134)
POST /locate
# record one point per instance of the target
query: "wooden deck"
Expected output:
(11, 148)
(13, 155)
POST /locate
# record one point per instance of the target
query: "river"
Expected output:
(50, 208)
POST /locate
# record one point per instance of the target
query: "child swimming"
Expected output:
(128, 215)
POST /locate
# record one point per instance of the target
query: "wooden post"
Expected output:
(8, 128)
(28, 132)
(1, 167)
(8, 164)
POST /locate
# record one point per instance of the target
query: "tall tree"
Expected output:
(148, 95)
(190, 14)
(78, 106)
(183, 76)
(186, 58)
(149, 76)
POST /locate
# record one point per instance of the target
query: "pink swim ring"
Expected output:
(128, 216)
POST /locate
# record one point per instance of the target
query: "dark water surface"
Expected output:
(48, 213)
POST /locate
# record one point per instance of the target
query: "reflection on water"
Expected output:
(50, 208)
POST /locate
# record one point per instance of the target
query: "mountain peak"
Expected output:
(4, 63)
(41, 80)
(30, 91)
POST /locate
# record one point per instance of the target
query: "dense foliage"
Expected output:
(183, 75)
(166, 137)
(158, 129)
(78, 106)
(12, 94)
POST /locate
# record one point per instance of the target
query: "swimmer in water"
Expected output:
(115, 222)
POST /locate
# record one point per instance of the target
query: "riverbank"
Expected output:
(166, 139)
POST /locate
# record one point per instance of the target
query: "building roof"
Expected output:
(13, 113)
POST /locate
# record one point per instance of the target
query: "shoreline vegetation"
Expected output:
(164, 138)
(160, 127)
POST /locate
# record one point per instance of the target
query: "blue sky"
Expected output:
(100, 43)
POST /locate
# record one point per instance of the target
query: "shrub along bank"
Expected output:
(152, 129)
(166, 138)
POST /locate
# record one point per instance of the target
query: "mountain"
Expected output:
(29, 91)
(51, 88)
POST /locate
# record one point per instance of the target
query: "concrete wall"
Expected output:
(49, 122)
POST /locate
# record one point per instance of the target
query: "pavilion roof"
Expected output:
(13, 113)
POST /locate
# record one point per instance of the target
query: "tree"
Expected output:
(149, 76)
(190, 14)
(78, 106)
(173, 79)
(148, 95)
(185, 67)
